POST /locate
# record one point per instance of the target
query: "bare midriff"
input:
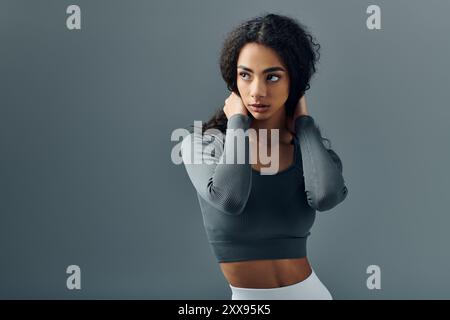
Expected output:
(270, 273)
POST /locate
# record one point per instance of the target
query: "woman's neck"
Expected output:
(277, 121)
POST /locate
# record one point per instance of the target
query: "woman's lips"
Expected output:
(260, 108)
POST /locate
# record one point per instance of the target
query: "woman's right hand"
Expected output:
(234, 105)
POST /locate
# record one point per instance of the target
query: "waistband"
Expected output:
(278, 248)
(287, 288)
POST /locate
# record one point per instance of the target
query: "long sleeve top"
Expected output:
(248, 215)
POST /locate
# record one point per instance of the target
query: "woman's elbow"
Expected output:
(328, 200)
(229, 205)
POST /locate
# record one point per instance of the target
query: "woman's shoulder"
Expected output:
(199, 142)
(202, 138)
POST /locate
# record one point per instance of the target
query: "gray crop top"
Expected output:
(250, 216)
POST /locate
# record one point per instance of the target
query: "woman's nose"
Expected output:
(258, 89)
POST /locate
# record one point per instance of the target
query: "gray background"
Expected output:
(86, 116)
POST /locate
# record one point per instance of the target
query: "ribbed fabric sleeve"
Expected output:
(222, 179)
(322, 169)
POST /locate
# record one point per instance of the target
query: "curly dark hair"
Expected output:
(292, 42)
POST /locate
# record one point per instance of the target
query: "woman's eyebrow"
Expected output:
(265, 71)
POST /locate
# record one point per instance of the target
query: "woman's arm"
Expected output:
(322, 169)
(226, 186)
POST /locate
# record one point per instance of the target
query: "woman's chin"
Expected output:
(260, 116)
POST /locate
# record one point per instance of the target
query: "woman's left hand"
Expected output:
(300, 110)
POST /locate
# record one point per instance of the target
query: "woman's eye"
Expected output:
(242, 74)
(272, 75)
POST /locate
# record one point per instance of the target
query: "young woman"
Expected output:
(257, 224)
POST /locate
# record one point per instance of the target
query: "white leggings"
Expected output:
(310, 288)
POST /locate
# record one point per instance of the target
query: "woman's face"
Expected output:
(262, 78)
